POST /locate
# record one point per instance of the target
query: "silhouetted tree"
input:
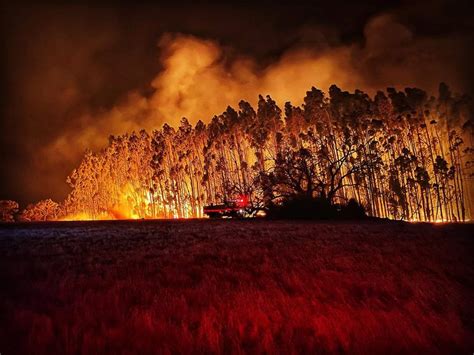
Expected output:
(401, 154)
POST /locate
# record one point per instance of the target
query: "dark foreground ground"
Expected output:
(236, 286)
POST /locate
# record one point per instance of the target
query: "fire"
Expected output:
(401, 157)
(436, 221)
(130, 206)
(82, 216)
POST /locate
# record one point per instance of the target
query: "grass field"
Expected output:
(236, 286)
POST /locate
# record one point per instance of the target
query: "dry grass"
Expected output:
(236, 286)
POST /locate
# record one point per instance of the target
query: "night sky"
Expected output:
(73, 74)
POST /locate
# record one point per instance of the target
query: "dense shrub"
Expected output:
(352, 210)
(307, 207)
(8, 210)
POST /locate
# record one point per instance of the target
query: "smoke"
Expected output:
(394, 56)
(199, 78)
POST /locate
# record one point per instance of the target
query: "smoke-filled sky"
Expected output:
(74, 74)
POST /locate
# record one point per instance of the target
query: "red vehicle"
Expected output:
(236, 208)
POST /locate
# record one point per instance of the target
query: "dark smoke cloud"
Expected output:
(75, 75)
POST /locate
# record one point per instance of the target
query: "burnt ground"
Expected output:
(236, 286)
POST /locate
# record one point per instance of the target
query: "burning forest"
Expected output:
(233, 178)
(327, 112)
(400, 154)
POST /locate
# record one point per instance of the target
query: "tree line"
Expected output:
(400, 154)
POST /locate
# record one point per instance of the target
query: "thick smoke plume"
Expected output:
(199, 78)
